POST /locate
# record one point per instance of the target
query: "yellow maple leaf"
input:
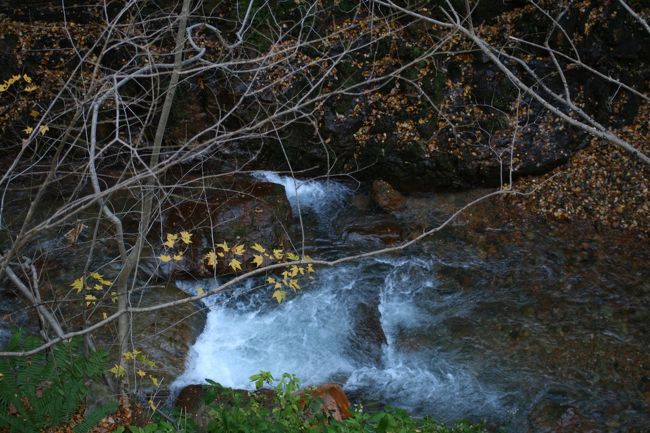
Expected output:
(270, 280)
(235, 265)
(152, 405)
(141, 373)
(293, 257)
(43, 129)
(98, 287)
(78, 284)
(90, 299)
(258, 260)
(200, 291)
(259, 248)
(223, 246)
(278, 254)
(31, 88)
(310, 268)
(165, 258)
(96, 275)
(238, 250)
(28, 130)
(154, 380)
(27, 78)
(3, 87)
(186, 237)
(277, 285)
(104, 315)
(178, 256)
(212, 258)
(294, 285)
(171, 240)
(105, 282)
(117, 370)
(34, 113)
(279, 295)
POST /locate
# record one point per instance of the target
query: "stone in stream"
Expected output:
(242, 211)
(387, 197)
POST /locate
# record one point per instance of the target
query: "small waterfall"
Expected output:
(317, 196)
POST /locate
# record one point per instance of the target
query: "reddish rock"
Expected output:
(387, 197)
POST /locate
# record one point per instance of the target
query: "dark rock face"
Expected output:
(245, 213)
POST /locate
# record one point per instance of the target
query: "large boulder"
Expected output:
(240, 213)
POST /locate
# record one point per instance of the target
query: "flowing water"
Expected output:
(519, 327)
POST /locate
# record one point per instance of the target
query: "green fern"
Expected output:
(45, 389)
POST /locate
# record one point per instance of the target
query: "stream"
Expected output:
(525, 328)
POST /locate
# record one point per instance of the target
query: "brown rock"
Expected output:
(387, 197)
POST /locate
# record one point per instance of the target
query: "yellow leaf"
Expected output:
(279, 295)
(292, 256)
(238, 250)
(310, 268)
(259, 248)
(270, 280)
(220, 254)
(113, 296)
(105, 282)
(294, 270)
(104, 315)
(98, 287)
(78, 284)
(178, 256)
(152, 405)
(165, 258)
(235, 265)
(154, 380)
(96, 275)
(14, 78)
(90, 299)
(34, 113)
(294, 284)
(3, 88)
(43, 129)
(30, 88)
(277, 285)
(200, 291)
(141, 373)
(171, 240)
(27, 79)
(212, 259)
(186, 237)
(223, 246)
(306, 258)
(28, 130)
(117, 370)
(278, 254)
(258, 260)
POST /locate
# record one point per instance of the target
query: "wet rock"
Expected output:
(242, 212)
(387, 232)
(165, 336)
(551, 417)
(368, 338)
(387, 197)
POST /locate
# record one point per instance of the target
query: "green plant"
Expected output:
(286, 410)
(45, 389)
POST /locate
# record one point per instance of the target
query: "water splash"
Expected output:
(319, 196)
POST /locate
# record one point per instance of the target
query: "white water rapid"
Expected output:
(362, 324)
